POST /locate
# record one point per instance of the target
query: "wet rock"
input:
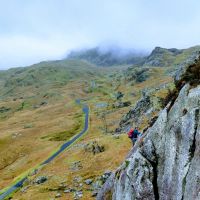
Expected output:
(40, 179)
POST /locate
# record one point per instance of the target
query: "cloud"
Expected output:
(32, 31)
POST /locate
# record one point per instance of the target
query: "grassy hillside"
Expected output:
(38, 113)
(44, 75)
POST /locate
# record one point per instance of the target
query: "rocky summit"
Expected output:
(164, 164)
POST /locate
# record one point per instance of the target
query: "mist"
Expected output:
(33, 31)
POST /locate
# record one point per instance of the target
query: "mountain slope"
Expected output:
(44, 75)
(159, 57)
(38, 113)
(165, 163)
(108, 57)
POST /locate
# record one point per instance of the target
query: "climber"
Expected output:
(133, 134)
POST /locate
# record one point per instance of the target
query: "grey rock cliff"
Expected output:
(165, 164)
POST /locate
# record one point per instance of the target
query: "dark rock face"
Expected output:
(166, 164)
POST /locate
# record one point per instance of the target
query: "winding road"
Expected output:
(20, 182)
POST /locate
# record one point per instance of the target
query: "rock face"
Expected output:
(184, 66)
(144, 108)
(166, 163)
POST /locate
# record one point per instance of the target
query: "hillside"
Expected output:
(165, 162)
(38, 114)
(159, 57)
(44, 76)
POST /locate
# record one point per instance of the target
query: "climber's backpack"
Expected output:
(130, 133)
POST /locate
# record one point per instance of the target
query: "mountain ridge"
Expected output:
(159, 56)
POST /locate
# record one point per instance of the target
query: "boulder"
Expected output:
(121, 104)
(94, 147)
(40, 179)
(88, 181)
(58, 195)
(78, 195)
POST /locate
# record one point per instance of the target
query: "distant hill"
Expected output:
(108, 57)
(159, 57)
(44, 75)
(83, 65)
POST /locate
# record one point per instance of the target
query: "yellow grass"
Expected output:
(59, 115)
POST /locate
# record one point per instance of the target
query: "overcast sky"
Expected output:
(36, 30)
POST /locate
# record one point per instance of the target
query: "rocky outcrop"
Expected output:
(165, 164)
(161, 57)
(94, 147)
(133, 116)
(182, 67)
(144, 110)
